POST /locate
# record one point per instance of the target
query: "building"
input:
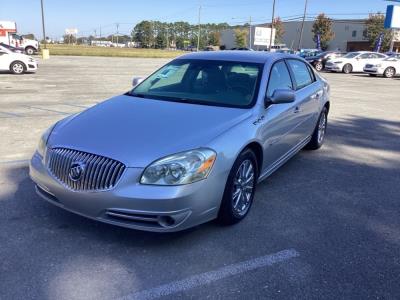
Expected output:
(350, 35)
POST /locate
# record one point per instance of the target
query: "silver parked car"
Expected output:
(186, 145)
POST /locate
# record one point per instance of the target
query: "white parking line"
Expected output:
(211, 276)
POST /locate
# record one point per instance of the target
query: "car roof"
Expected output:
(239, 56)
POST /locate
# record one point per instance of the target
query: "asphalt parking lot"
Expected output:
(324, 226)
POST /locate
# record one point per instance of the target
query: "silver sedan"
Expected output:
(186, 145)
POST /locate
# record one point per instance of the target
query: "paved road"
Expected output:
(326, 225)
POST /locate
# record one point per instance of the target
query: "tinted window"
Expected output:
(279, 78)
(365, 56)
(208, 82)
(301, 74)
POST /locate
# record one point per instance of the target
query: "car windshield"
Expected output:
(207, 82)
(351, 55)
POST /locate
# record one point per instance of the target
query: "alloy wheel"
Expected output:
(243, 187)
(321, 128)
(18, 68)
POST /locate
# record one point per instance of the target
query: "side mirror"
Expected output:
(280, 96)
(136, 81)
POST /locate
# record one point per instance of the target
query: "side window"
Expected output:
(301, 73)
(381, 55)
(279, 78)
(365, 56)
(310, 69)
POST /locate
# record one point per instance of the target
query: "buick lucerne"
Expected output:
(186, 145)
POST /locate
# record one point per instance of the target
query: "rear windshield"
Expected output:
(207, 82)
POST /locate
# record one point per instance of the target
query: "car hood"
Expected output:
(137, 131)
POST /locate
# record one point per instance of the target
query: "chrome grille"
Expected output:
(98, 172)
(369, 66)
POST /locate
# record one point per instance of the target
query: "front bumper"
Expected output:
(133, 205)
(31, 66)
(333, 67)
(373, 70)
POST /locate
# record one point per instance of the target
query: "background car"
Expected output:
(354, 61)
(388, 67)
(319, 61)
(16, 63)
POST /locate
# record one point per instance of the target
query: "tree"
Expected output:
(323, 27)
(279, 30)
(240, 37)
(143, 34)
(69, 39)
(374, 27)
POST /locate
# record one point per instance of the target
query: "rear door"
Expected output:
(308, 91)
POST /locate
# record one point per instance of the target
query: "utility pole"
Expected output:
(117, 24)
(167, 38)
(272, 26)
(302, 26)
(250, 44)
(43, 27)
(198, 35)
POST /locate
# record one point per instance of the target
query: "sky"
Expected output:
(89, 15)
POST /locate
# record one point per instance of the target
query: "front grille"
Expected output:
(95, 172)
(369, 66)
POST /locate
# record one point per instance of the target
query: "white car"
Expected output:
(16, 63)
(388, 67)
(354, 61)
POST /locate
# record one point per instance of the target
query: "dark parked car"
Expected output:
(320, 60)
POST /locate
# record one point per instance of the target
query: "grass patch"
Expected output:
(80, 50)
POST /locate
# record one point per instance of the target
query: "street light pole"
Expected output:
(272, 26)
(302, 26)
(43, 27)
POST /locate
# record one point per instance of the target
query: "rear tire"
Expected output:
(318, 136)
(239, 189)
(389, 72)
(17, 67)
(347, 68)
(30, 50)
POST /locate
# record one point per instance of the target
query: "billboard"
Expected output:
(71, 31)
(392, 19)
(262, 36)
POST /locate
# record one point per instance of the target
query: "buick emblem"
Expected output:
(76, 171)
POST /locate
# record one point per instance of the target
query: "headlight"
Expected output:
(182, 168)
(43, 140)
(378, 66)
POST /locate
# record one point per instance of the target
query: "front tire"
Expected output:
(18, 67)
(29, 50)
(389, 72)
(319, 66)
(240, 189)
(318, 136)
(347, 68)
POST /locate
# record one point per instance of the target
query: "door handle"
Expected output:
(296, 110)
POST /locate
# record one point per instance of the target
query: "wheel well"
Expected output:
(257, 149)
(18, 61)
